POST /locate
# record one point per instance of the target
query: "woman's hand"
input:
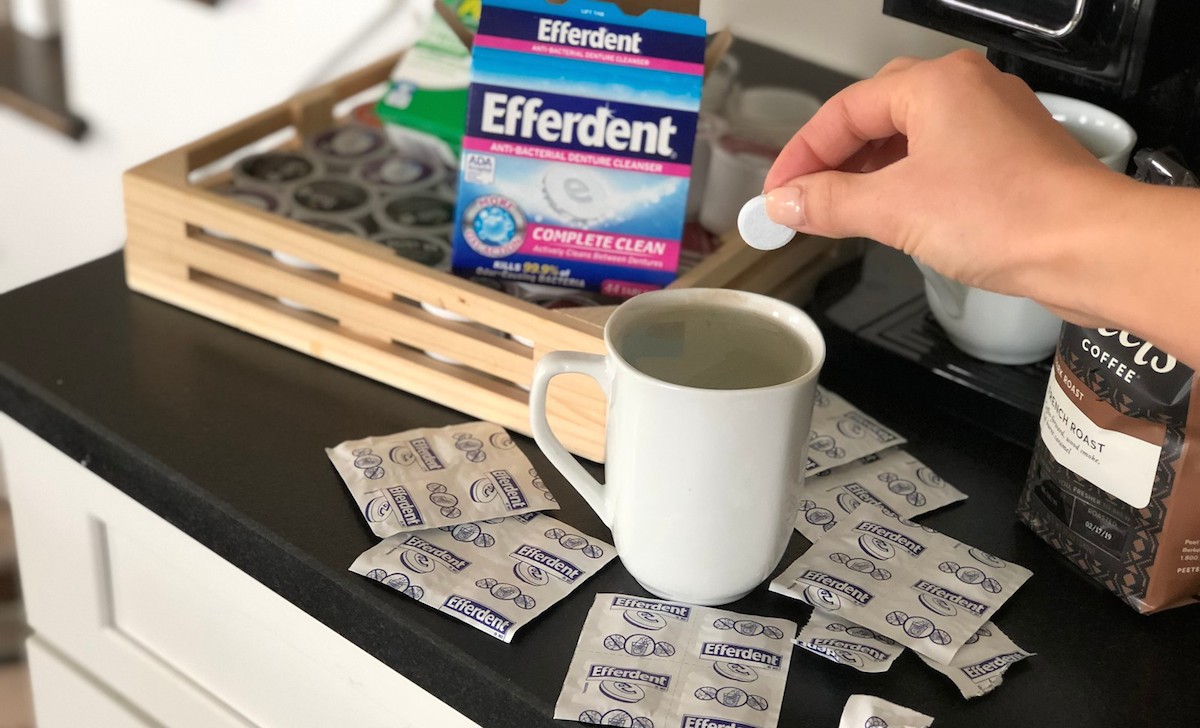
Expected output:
(955, 163)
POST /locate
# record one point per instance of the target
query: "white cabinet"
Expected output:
(135, 615)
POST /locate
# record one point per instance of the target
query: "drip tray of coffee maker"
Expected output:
(877, 321)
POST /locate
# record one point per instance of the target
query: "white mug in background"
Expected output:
(709, 128)
(1106, 135)
(702, 483)
(737, 169)
(770, 115)
(1009, 329)
(991, 326)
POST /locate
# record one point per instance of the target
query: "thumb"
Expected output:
(837, 205)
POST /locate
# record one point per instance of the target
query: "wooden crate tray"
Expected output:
(363, 310)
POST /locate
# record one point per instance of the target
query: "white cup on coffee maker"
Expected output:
(706, 436)
(1009, 329)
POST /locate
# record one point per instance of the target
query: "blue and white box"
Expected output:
(580, 128)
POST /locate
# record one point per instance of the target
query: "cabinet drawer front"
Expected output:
(176, 629)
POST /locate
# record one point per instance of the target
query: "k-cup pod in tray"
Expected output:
(397, 174)
(342, 147)
(548, 297)
(427, 213)
(336, 226)
(331, 197)
(262, 197)
(457, 318)
(423, 249)
(279, 170)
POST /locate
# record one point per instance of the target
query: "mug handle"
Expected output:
(548, 367)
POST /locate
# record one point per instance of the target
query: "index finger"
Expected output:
(857, 115)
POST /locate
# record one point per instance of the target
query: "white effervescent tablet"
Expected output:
(760, 231)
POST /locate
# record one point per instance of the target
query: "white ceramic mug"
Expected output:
(991, 326)
(702, 485)
(1105, 134)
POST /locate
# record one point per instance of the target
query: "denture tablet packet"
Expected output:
(580, 127)
(979, 666)
(496, 576)
(907, 582)
(868, 711)
(892, 478)
(645, 663)
(433, 477)
(977, 669)
(847, 643)
(841, 433)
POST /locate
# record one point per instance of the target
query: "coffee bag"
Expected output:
(1115, 480)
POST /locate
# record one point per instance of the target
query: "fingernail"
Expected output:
(785, 205)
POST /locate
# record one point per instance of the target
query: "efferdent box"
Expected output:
(580, 126)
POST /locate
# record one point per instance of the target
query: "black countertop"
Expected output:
(222, 434)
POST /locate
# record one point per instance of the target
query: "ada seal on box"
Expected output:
(580, 130)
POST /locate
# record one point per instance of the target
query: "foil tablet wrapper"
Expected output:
(847, 643)
(841, 433)
(911, 583)
(868, 711)
(647, 662)
(892, 478)
(979, 666)
(433, 477)
(977, 669)
(496, 575)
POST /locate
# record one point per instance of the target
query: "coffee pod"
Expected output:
(426, 213)
(333, 197)
(397, 174)
(449, 187)
(548, 297)
(342, 147)
(457, 318)
(339, 227)
(428, 251)
(277, 170)
(262, 198)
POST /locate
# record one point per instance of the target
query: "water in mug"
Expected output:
(714, 347)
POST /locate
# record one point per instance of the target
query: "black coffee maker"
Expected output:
(1140, 58)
